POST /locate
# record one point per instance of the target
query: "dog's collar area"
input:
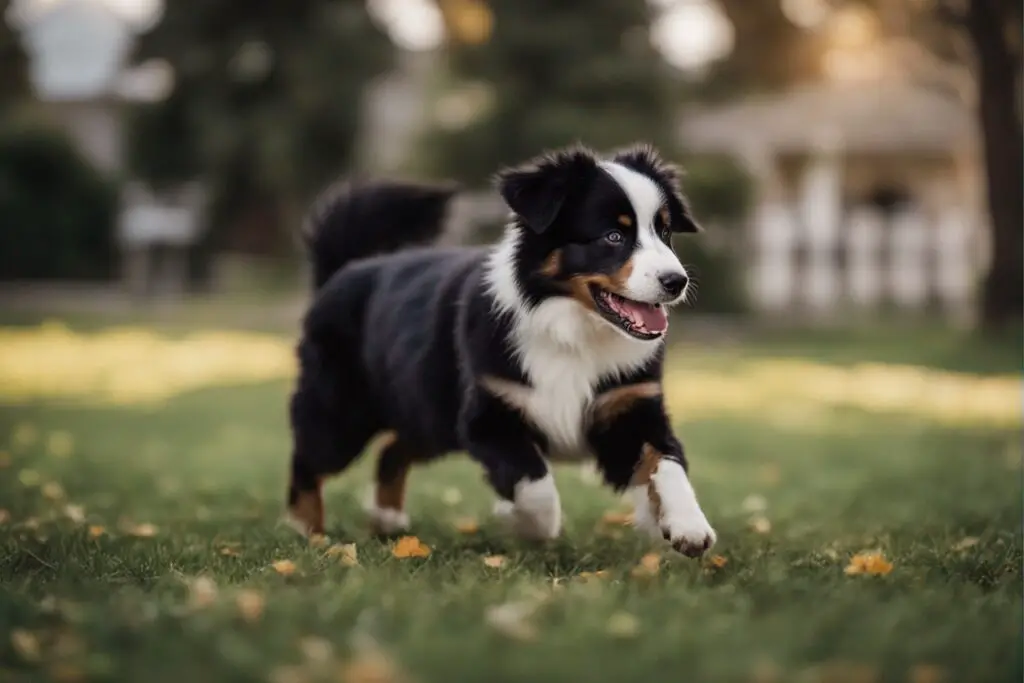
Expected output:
(635, 318)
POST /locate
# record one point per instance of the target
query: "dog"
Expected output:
(548, 346)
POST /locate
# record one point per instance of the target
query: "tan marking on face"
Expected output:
(625, 221)
(552, 264)
(615, 402)
(579, 285)
(308, 510)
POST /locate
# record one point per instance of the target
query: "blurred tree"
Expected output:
(529, 75)
(266, 105)
(14, 80)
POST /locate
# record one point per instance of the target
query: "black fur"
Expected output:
(402, 341)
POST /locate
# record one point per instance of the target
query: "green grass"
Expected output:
(208, 469)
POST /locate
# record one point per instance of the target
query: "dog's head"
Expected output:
(599, 231)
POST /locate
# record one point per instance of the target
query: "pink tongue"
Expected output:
(653, 317)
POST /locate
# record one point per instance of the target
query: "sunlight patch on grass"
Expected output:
(135, 365)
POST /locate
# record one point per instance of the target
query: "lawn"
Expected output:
(868, 506)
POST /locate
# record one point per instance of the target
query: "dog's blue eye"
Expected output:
(615, 237)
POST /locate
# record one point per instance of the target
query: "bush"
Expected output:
(58, 213)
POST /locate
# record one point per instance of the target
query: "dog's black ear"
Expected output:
(645, 159)
(537, 191)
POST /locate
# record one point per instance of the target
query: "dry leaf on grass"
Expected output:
(318, 541)
(495, 561)
(623, 625)
(717, 561)
(346, 554)
(202, 592)
(95, 531)
(284, 567)
(250, 605)
(617, 518)
(599, 574)
(512, 619)
(76, 513)
(371, 666)
(410, 546)
(144, 530)
(965, 543)
(466, 525)
(26, 644)
(648, 566)
(229, 552)
(873, 563)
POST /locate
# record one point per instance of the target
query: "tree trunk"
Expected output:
(1003, 148)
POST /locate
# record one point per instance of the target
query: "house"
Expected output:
(869, 196)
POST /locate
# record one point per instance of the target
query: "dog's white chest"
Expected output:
(559, 405)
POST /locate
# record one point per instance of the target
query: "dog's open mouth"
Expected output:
(637, 319)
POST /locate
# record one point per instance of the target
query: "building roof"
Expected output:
(890, 117)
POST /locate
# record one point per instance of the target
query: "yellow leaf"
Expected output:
(202, 592)
(965, 543)
(466, 525)
(617, 518)
(717, 561)
(599, 574)
(346, 553)
(495, 561)
(623, 625)
(284, 567)
(60, 444)
(318, 540)
(410, 546)
(26, 645)
(649, 566)
(250, 605)
(53, 490)
(76, 513)
(229, 552)
(95, 531)
(145, 530)
(873, 563)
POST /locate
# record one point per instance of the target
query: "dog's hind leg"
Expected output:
(387, 505)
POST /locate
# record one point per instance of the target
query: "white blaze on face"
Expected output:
(651, 257)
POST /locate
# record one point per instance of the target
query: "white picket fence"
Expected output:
(864, 260)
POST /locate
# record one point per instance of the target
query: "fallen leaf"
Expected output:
(717, 561)
(927, 673)
(873, 563)
(599, 574)
(52, 490)
(617, 518)
(76, 513)
(145, 530)
(26, 645)
(60, 444)
(318, 541)
(202, 592)
(965, 543)
(512, 619)
(371, 666)
(466, 525)
(315, 649)
(346, 553)
(623, 625)
(495, 561)
(250, 605)
(284, 567)
(760, 524)
(451, 496)
(648, 566)
(229, 552)
(95, 531)
(410, 546)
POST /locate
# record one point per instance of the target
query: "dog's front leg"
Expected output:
(636, 450)
(498, 438)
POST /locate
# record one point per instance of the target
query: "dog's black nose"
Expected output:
(673, 283)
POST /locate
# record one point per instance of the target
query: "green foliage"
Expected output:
(552, 74)
(58, 212)
(14, 80)
(719, 190)
(266, 102)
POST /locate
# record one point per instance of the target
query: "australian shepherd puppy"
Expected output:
(548, 346)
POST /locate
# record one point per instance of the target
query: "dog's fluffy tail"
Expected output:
(353, 220)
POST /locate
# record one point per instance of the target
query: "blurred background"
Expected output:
(848, 157)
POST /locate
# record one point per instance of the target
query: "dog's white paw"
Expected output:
(667, 508)
(384, 520)
(691, 535)
(536, 512)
